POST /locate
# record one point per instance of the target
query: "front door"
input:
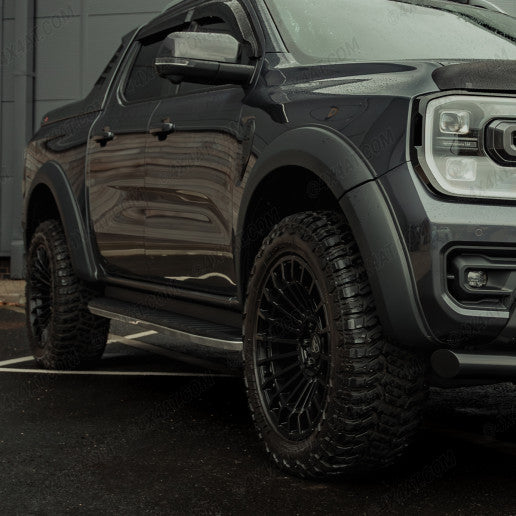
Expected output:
(189, 184)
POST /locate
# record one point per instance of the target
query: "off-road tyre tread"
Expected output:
(377, 390)
(78, 338)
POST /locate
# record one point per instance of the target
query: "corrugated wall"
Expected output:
(73, 40)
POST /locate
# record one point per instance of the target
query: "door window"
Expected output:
(144, 83)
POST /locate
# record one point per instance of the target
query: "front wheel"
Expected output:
(328, 393)
(63, 334)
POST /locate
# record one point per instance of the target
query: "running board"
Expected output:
(452, 364)
(189, 330)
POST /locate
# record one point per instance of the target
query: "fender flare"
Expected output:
(52, 175)
(334, 159)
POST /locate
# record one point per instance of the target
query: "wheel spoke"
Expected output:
(308, 396)
(292, 347)
(302, 396)
(283, 294)
(278, 375)
(280, 309)
(277, 357)
(286, 386)
(293, 393)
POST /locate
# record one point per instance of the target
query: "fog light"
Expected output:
(461, 169)
(455, 122)
(477, 279)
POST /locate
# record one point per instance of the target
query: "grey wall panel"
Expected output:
(104, 34)
(6, 178)
(7, 138)
(8, 47)
(5, 214)
(58, 69)
(70, 58)
(125, 6)
(9, 9)
(54, 8)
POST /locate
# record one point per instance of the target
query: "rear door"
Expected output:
(116, 163)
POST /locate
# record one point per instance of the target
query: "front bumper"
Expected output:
(412, 240)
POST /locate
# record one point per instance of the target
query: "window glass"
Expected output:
(379, 30)
(144, 83)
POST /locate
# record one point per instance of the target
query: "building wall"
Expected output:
(69, 42)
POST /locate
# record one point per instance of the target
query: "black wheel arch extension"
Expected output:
(339, 165)
(53, 178)
(329, 156)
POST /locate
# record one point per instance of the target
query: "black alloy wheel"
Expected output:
(328, 392)
(292, 353)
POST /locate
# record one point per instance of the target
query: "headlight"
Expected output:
(469, 146)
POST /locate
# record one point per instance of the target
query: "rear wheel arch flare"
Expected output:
(52, 182)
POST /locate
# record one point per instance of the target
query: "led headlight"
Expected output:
(468, 146)
(454, 122)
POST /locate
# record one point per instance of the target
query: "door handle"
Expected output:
(163, 131)
(104, 137)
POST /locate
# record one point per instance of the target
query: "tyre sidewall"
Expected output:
(40, 239)
(277, 444)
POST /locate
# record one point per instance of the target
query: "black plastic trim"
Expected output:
(214, 314)
(231, 303)
(387, 264)
(328, 155)
(79, 242)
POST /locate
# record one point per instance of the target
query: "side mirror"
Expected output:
(206, 58)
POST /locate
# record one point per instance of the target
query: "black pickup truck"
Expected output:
(328, 188)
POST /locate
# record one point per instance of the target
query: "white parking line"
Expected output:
(16, 361)
(110, 373)
(129, 340)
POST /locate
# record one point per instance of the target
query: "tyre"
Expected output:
(329, 394)
(63, 334)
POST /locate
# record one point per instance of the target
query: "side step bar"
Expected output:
(450, 364)
(189, 331)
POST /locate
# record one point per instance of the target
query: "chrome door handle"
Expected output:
(163, 131)
(104, 137)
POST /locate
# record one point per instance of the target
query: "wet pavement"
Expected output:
(180, 440)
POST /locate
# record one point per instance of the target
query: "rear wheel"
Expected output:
(329, 394)
(63, 334)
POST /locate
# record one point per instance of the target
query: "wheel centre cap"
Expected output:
(315, 346)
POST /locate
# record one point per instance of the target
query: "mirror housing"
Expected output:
(202, 57)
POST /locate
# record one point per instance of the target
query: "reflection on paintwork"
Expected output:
(117, 204)
(189, 186)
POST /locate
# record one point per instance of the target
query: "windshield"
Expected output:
(385, 30)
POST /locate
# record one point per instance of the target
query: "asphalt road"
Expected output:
(180, 441)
